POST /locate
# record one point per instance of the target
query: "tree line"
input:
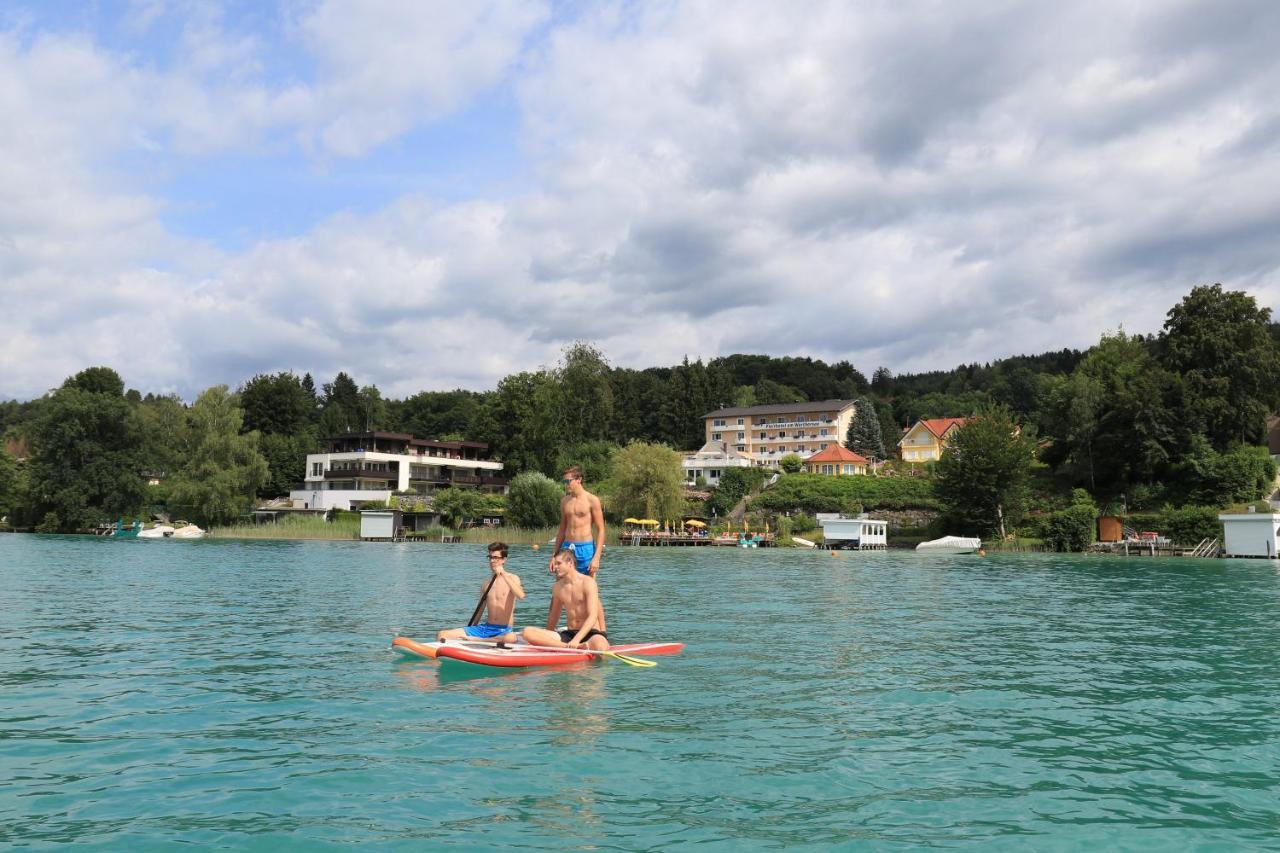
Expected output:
(1163, 418)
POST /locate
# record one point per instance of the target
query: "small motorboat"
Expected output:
(189, 531)
(951, 545)
(160, 531)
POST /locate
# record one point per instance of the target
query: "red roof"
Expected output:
(939, 426)
(836, 453)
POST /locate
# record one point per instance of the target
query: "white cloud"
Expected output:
(913, 185)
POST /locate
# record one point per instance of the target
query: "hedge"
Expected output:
(813, 493)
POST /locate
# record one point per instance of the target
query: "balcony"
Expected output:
(361, 472)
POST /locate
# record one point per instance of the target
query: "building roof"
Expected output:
(836, 453)
(782, 408)
(938, 426)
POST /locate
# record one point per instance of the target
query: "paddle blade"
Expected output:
(629, 660)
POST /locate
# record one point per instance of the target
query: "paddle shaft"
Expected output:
(475, 614)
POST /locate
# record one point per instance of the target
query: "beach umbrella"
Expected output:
(630, 521)
(693, 522)
(648, 522)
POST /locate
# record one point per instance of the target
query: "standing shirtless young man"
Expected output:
(577, 595)
(580, 512)
(500, 593)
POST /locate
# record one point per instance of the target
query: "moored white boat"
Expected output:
(951, 545)
(160, 531)
(190, 531)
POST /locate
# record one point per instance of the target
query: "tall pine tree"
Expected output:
(865, 436)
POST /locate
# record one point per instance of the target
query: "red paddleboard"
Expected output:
(519, 654)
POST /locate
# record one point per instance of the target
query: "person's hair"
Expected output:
(565, 554)
(500, 547)
(573, 471)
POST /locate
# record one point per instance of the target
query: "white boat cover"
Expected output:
(951, 543)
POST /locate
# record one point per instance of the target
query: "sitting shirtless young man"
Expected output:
(500, 593)
(577, 595)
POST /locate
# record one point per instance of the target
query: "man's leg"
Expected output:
(451, 634)
(542, 637)
(598, 643)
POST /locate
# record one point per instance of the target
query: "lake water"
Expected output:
(241, 694)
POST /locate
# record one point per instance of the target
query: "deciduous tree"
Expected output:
(224, 470)
(983, 474)
(648, 481)
(533, 500)
(1220, 343)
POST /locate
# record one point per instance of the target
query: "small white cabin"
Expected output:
(861, 533)
(380, 524)
(1251, 534)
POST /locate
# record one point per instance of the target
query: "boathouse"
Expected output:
(859, 534)
(1251, 534)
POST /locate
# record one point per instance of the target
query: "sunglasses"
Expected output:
(568, 480)
(496, 557)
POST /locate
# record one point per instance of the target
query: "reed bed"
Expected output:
(344, 527)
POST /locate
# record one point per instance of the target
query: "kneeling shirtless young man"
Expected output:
(579, 597)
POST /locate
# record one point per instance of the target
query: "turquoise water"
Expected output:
(241, 694)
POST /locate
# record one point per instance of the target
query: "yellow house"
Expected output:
(925, 441)
(836, 461)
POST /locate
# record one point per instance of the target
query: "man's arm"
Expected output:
(564, 524)
(593, 613)
(553, 615)
(597, 518)
(513, 581)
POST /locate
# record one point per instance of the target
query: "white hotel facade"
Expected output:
(759, 436)
(371, 466)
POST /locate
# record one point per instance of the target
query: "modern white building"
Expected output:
(711, 462)
(861, 534)
(1251, 534)
(369, 466)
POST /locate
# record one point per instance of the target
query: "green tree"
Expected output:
(341, 410)
(586, 410)
(525, 423)
(533, 500)
(1116, 416)
(1204, 477)
(165, 435)
(276, 404)
(9, 487)
(864, 436)
(1220, 343)
(648, 481)
(97, 380)
(595, 458)
(85, 462)
(457, 505)
(286, 458)
(982, 477)
(791, 464)
(223, 470)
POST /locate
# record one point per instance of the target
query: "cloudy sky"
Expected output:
(433, 195)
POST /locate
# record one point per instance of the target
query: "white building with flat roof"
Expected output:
(370, 466)
(1250, 534)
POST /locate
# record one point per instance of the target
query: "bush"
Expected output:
(1189, 525)
(813, 493)
(734, 485)
(801, 523)
(1069, 529)
(534, 501)
(1072, 529)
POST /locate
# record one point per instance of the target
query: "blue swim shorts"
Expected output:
(582, 553)
(487, 630)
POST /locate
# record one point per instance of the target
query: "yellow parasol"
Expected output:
(693, 522)
(630, 521)
(648, 522)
